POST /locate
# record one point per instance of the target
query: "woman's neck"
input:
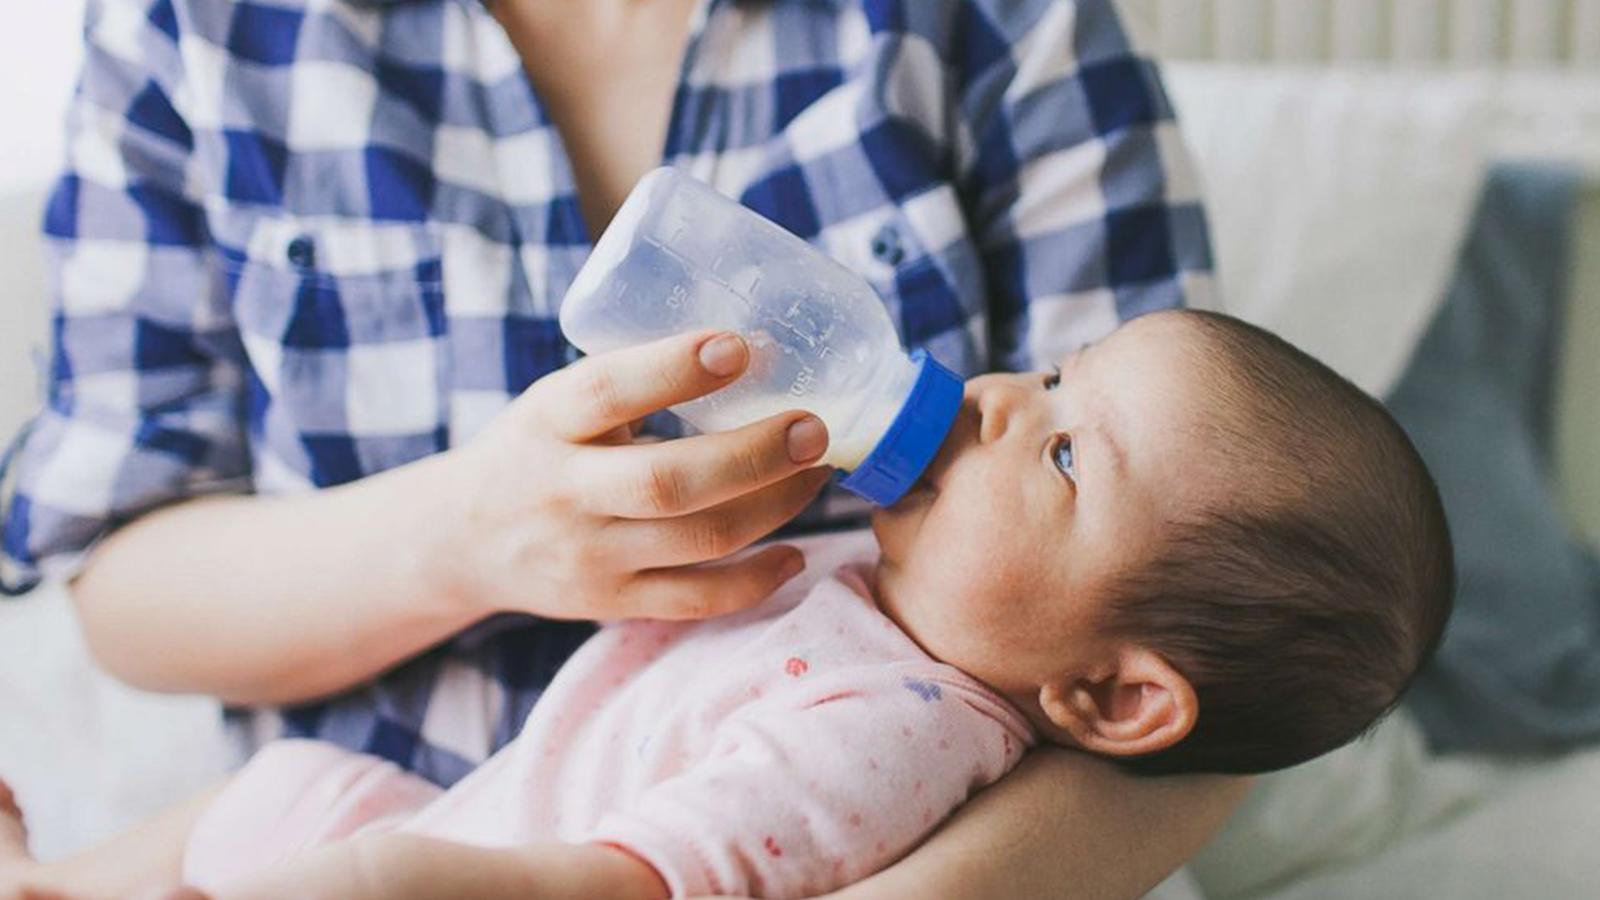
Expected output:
(606, 72)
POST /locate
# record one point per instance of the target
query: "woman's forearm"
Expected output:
(271, 600)
(1063, 825)
(548, 510)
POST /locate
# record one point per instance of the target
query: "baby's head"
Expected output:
(1193, 549)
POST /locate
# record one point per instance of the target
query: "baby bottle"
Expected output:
(680, 257)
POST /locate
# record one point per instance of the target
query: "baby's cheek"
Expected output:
(982, 642)
(974, 599)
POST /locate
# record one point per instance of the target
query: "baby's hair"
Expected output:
(1302, 603)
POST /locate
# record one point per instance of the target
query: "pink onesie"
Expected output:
(784, 751)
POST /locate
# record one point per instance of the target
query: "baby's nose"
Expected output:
(994, 400)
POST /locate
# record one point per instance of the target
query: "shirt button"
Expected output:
(886, 246)
(302, 252)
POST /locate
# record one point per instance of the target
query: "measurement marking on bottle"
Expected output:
(810, 342)
(801, 386)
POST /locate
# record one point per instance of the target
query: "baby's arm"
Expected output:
(398, 866)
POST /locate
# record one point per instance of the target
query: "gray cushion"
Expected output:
(1519, 669)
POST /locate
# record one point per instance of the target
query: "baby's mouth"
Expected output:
(920, 496)
(933, 477)
(932, 480)
(924, 489)
(927, 486)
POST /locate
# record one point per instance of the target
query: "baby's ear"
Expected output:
(1136, 704)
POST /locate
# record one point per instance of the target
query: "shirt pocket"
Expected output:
(920, 258)
(344, 325)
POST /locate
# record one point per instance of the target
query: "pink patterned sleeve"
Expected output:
(807, 791)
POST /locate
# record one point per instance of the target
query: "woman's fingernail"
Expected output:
(807, 438)
(794, 565)
(723, 355)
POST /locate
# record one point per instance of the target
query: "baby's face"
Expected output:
(1046, 488)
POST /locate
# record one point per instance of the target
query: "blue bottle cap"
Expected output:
(913, 437)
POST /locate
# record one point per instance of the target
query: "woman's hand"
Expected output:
(555, 510)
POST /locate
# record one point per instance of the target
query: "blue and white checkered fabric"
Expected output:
(303, 241)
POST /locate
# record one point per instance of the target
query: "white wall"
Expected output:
(38, 63)
(39, 53)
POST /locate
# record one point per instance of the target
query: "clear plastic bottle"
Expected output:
(679, 257)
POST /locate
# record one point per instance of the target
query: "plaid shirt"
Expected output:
(303, 241)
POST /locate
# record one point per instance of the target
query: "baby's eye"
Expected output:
(1064, 458)
(1053, 380)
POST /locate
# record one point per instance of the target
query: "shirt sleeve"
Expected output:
(144, 401)
(800, 798)
(1074, 178)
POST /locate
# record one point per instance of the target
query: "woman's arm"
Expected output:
(551, 510)
(264, 600)
(1063, 825)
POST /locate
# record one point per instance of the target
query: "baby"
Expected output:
(1190, 549)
